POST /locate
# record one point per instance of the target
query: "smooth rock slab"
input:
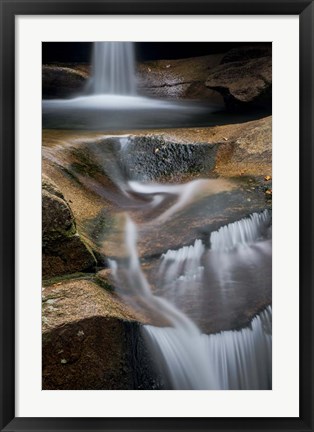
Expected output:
(63, 81)
(91, 340)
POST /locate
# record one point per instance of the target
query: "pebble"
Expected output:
(51, 301)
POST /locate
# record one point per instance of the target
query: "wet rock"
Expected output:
(245, 53)
(92, 341)
(171, 79)
(174, 79)
(230, 150)
(204, 213)
(248, 150)
(63, 249)
(63, 81)
(244, 79)
(49, 186)
(239, 151)
(152, 157)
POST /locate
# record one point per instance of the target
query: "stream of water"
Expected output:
(185, 357)
(113, 69)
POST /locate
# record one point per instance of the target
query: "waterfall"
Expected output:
(239, 360)
(183, 264)
(191, 370)
(113, 69)
(242, 360)
(186, 357)
(244, 246)
(243, 232)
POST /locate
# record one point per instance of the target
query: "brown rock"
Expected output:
(63, 249)
(247, 53)
(49, 186)
(89, 338)
(244, 80)
(251, 146)
(175, 79)
(183, 155)
(57, 217)
(62, 81)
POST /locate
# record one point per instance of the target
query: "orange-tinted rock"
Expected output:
(63, 251)
(91, 340)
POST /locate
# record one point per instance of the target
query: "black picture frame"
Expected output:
(8, 10)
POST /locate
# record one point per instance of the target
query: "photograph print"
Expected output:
(156, 216)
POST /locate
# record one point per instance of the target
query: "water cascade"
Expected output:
(183, 264)
(113, 69)
(239, 360)
(243, 245)
(186, 357)
(241, 233)
(191, 369)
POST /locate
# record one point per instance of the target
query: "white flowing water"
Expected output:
(241, 233)
(190, 368)
(113, 69)
(185, 193)
(186, 358)
(239, 360)
(241, 245)
(183, 264)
